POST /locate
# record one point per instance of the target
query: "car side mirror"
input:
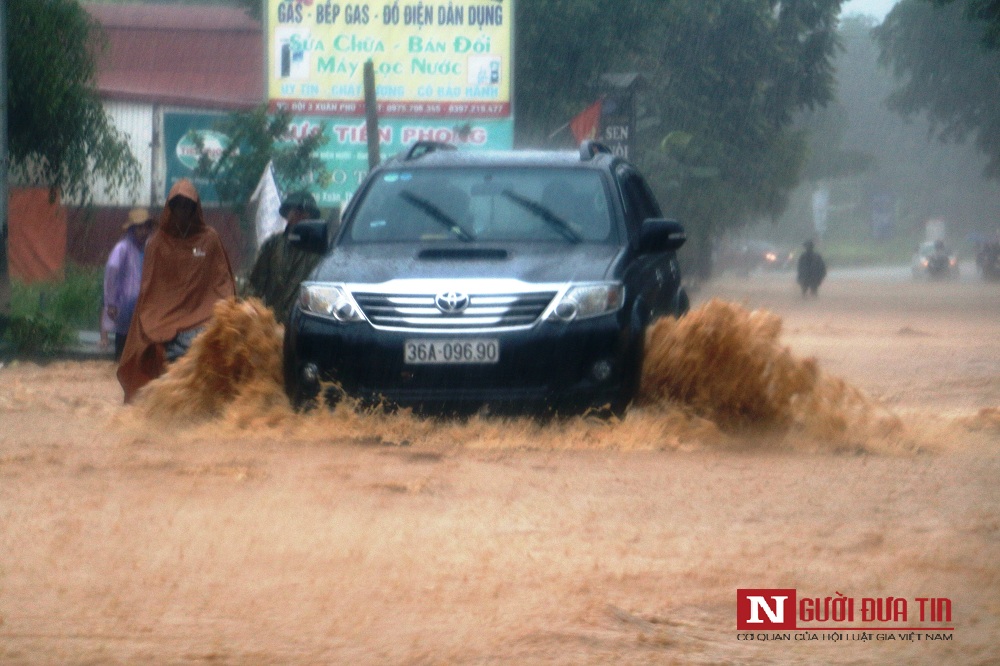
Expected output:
(661, 235)
(313, 236)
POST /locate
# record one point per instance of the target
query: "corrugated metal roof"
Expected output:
(210, 57)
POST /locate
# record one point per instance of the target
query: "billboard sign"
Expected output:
(431, 59)
(443, 71)
(181, 151)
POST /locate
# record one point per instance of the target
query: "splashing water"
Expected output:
(987, 418)
(234, 365)
(716, 376)
(726, 364)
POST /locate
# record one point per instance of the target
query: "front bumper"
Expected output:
(555, 365)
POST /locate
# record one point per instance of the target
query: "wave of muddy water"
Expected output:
(232, 531)
(717, 377)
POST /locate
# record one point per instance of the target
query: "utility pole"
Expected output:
(4, 163)
(371, 116)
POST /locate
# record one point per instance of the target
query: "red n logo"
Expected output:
(765, 609)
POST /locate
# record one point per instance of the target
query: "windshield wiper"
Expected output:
(438, 215)
(556, 222)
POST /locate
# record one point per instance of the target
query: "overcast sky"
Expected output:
(876, 8)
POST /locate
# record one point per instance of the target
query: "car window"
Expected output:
(639, 200)
(484, 205)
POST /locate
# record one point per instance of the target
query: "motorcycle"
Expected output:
(933, 261)
(939, 265)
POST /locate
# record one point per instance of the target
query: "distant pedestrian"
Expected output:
(280, 268)
(812, 270)
(122, 277)
(185, 272)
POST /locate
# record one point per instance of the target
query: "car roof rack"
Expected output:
(421, 148)
(589, 149)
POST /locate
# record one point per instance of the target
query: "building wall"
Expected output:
(93, 230)
(136, 122)
(142, 124)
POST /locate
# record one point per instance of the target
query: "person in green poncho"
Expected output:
(280, 268)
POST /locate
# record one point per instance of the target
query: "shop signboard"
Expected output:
(181, 149)
(443, 71)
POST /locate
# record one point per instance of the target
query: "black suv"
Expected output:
(512, 279)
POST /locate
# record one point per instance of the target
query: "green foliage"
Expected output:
(46, 315)
(562, 47)
(985, 12)
(59, 134)
(945, 73)
(725, 78)
(733, 75)
(827, 128)
(37, 333)
(924, 177)
(257, 138)
(75, 300)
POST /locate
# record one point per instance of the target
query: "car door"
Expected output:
(653, 276)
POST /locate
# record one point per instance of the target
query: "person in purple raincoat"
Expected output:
(123, 275)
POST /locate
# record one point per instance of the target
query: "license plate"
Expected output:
(478, 350)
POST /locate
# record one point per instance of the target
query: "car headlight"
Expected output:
(330, 301)
(589, 300)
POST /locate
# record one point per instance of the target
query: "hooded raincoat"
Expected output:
(185, 272)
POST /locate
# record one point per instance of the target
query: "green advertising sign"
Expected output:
(346, 153)
(181, 151)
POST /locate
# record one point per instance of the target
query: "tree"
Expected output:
(988, 13)
(563, 46)
(946, 72)
(880, 168)
(732, 75)
(256, 139)
(726, 79)
(58, 133)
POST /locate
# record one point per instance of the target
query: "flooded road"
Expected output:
(257, 536)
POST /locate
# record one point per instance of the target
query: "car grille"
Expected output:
(485, 310)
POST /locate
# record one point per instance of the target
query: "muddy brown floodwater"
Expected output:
(847, 445)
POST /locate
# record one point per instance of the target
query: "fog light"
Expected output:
(310, 373)
(601, 371)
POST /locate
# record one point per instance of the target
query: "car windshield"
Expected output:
(484, 205)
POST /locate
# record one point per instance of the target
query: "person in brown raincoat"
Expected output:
(185, 272)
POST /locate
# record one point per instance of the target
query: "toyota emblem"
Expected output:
(451, 302)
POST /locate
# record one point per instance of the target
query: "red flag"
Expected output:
(585, 124)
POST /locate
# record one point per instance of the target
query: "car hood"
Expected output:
(529, 262)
